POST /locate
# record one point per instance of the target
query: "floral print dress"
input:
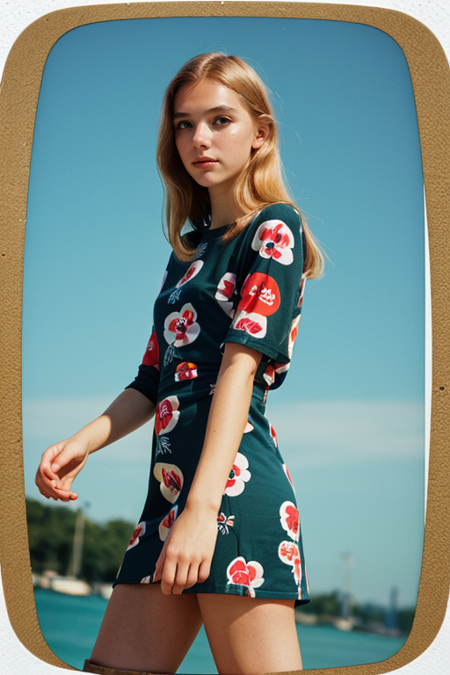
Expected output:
(248, 291)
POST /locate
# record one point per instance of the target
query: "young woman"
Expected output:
(218, 540)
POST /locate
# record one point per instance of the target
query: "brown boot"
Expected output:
(90, 667)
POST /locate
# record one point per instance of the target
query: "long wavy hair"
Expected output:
(259, 184)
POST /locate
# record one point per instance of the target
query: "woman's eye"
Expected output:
(222, 120)
(184, 124)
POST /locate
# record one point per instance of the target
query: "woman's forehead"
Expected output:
(203, 96)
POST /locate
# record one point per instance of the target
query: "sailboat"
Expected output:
(70, 584)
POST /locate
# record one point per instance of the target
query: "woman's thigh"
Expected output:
(143, 629)
(250, 635)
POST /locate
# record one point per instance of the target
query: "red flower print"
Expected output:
(241, 573)
(239, 475)
(302, 290)
(228, 289)
(180, 324)
(181, 328)
(171, 479)
(191, 272)
(167, 523)
(288, 552)
(139, 531)
(293, 335)
(276, 369)
(224, 293)
(286, 471)
(248, 427)
(259, 295)
(289, 519)
(274, 239)
(297, 570)
(273, 433)
(151, 356)
(186, 371)
(167, 414)
(252, 327)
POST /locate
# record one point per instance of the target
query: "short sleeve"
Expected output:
(147, 379)
(270, 296)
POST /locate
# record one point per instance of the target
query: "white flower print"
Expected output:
(248, 427)
(288, 552)
(185, 371)
(138, 532)
(167, 414)
(302, 290)
(275, 369)
(273, 239)
(167, 523)
(191, 272)
(293, 335)
(273, 433)
(253, 323)
(224, 293)
(249, 574)
(181, 328)
(239, 475)
(288, 475)
(171, 478)
(289, 519)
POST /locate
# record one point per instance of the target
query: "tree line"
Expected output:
(51, 533)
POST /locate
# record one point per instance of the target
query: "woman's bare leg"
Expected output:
(143, 629)
(250, 635)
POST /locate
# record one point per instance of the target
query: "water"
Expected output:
(70, 626)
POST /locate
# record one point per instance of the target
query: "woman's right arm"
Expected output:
(62, 462)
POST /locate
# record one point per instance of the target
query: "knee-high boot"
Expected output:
(90, 667)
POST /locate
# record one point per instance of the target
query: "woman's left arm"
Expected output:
(188, 550)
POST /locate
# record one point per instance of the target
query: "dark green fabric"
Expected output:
(250, 292)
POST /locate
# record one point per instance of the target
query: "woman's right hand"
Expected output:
(59, 466)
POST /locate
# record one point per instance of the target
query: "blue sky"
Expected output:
(350, 415)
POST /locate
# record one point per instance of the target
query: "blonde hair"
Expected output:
(260, 184)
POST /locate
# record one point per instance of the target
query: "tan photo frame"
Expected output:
(430, 76)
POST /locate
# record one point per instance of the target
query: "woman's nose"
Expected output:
(201, 136)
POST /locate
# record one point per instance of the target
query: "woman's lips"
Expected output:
(204, 163)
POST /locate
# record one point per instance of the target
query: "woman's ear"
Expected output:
(263, 124)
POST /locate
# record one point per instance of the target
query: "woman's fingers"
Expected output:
(59, 465)
(45, 466)
(203, 571)
(192, 576)
(177, 575)
(53, 490)
(168, 576)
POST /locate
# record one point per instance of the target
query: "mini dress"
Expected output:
(247, 291)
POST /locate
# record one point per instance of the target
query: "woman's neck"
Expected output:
(224, 209)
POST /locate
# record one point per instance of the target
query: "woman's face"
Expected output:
(214, 133)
